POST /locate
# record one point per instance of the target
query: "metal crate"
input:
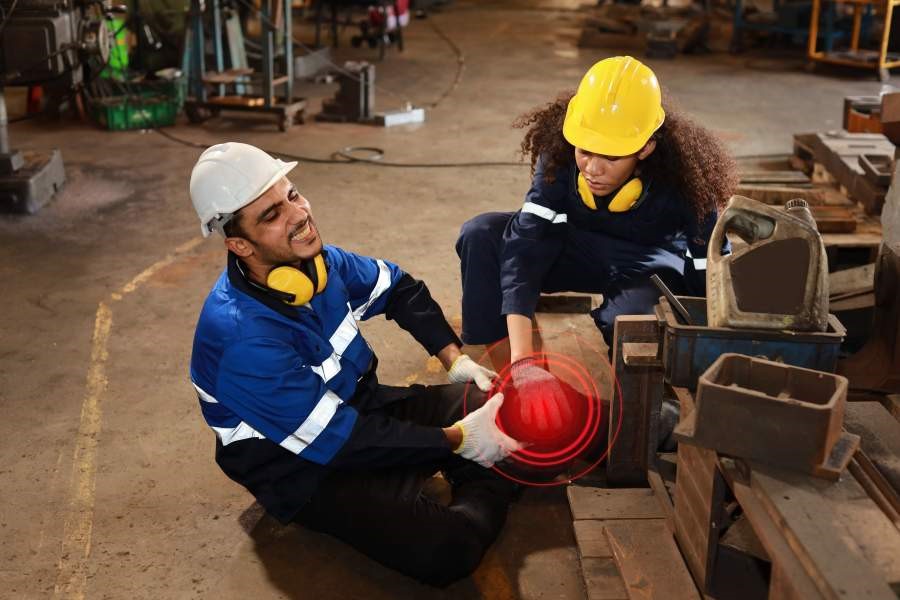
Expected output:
(688, 350)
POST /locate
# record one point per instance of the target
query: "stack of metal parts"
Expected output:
(769, 299)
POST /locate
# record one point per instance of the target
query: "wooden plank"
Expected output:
(879, 437)
(649, 561)
(685, 400)
(699, 504)
(782, 177)
(227, 76)
(236, 100)
(591, 539)
(624, 503)
(779, 194)
(640, 355)
(851, 280)
(642, 388)
(892, 403)
(852, 240)
(661, 492)
(848, 546)
(834, 219)
(853, 302)
(770, 535)
(781, 587)
(876, 486)
(602, 580)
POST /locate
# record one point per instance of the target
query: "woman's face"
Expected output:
(606, 174)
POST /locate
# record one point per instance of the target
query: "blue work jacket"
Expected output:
(287, 390)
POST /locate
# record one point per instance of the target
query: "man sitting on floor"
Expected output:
(288, 383)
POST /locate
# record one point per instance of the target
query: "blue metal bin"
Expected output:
(689, 350)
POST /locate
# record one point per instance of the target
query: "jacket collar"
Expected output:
(237, 276)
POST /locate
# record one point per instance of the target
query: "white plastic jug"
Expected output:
(779, 280)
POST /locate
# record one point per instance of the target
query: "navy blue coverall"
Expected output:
(556, 243)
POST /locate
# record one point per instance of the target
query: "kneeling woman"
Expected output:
(622, 189)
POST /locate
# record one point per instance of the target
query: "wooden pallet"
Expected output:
(627, 551)
(839, 154)
(842, 221)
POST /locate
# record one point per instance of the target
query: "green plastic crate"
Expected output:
(150, 104)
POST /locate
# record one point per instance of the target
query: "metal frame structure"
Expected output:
(854, 57)
(741, 24)
(276, 43)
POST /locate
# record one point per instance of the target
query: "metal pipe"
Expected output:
(675, 302)
(268, 52)
(217, 41)
(288, 54)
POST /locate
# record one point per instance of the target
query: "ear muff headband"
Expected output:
(585, 192)
(321, 272)
(624, 200)
(299, 284)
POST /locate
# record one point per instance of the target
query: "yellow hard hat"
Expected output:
(616, 109)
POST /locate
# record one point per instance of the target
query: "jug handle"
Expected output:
(749, 226)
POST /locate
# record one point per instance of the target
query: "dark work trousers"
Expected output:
(590, 262)
(384, 514)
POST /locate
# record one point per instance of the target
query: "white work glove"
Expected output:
(464, 370)
(483, 442)
(542, 399)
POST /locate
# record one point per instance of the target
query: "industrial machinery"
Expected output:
(47, 43)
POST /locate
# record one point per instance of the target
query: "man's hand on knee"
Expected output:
(482, 441)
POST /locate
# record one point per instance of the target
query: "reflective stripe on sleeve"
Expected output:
(203, 395)
(381, 286)
(228, 435)
(544, 213)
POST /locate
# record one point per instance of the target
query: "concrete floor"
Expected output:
(109, 486)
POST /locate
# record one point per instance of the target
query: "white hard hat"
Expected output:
(228, 177)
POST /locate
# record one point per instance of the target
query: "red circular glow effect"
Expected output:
(554, 445)
(561, 441)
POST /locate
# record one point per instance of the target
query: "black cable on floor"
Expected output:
(460, 63)
(348, 156)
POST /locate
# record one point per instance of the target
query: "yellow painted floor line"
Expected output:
(76, 545)
(78, 525)
(491, 579)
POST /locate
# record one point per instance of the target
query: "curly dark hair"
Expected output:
(687, 156)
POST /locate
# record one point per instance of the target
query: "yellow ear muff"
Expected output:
(292, 281)
(321, 272)
(624, 199)
(585, 192)
(627, 196)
